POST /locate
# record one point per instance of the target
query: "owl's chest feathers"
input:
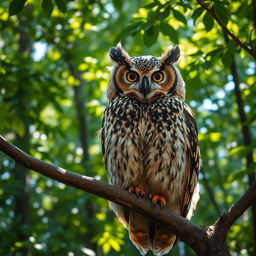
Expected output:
(159, 121)
(149, 139)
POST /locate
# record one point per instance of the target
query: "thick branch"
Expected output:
(208, 241)
(187, 231)
(242, 44)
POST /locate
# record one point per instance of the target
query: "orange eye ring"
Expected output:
(132, 76)
(158, 76)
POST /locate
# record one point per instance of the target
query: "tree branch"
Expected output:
(106, 191)
(242, 44)
(204, 240)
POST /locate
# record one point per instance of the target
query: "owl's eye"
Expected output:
(158, 77)
(131, 76)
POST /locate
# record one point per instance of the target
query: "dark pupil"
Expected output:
(157, 77)
(132, 76)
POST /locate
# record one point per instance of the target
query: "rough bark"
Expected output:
(206, 241)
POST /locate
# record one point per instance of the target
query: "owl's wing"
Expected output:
(102, 135)
(193, 164)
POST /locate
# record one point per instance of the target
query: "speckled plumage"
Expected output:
(150, 142)
(144, 63)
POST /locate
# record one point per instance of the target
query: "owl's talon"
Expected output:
(157, 199)
(131, 189)
(137, 190)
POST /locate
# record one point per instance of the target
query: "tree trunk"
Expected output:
(247, 139)
(84, 142)
(21, 199)
(21, 174)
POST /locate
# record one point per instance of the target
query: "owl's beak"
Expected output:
(144, 87)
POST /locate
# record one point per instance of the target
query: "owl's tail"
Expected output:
(147, 235)
(163, 240)
(139, 232)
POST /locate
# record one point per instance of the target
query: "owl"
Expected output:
(149, 142)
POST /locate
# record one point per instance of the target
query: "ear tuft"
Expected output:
(171, 55)
(119, 55)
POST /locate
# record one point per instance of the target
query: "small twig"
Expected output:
(243, 45)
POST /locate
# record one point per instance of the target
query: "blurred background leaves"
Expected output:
(53, 79)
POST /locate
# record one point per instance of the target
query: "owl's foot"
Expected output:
(157, 199)
(137, 190)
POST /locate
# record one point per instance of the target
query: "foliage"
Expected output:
(50, 48)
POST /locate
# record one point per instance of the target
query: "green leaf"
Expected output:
(150, 36)
(179, 16)
(165, 13)
(185, 4)
(168, 30)
(47, 7)
(214, 54)
(115, 245)
(196, 54)
(226, 59)
(62, 5)
(222, 12)
(197, 13)
(241, 150)
(208, 21)
(151, 5)
(19, 244)
(106, 248)
(132, 29)
(152, 16)
(232, 46)
(16, 6)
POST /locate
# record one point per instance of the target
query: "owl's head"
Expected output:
(145, 77)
